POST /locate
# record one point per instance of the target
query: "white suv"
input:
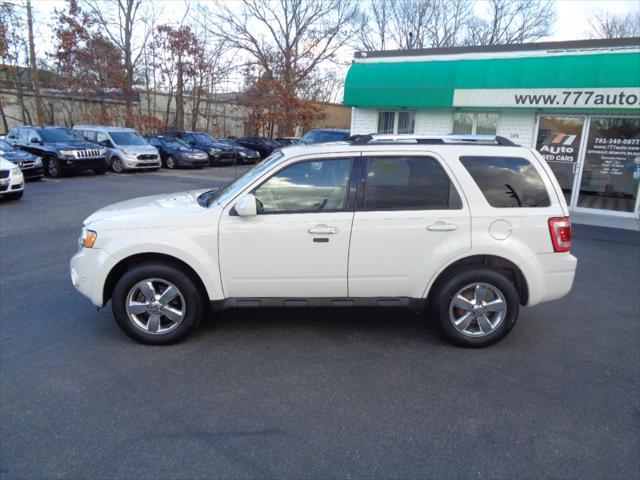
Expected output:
(469, 228)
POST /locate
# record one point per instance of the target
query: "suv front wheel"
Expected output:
(476, 307)
(54, 167)
(157, 304)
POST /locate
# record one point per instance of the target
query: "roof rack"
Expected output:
(434, 139)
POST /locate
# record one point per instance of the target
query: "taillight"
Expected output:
(560, 229)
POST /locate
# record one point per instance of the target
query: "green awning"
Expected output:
(431, 84)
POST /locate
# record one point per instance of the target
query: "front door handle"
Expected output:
(442, 227)
(323, 230)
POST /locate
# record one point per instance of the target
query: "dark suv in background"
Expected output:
(62, 150)
(262, 145)
(219, 153)
(30, 164)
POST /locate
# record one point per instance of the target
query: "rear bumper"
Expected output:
(549, 276)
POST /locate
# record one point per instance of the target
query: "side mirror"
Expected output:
(35, 140)
(247, 206)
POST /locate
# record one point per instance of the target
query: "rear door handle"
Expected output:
(442, 227)
(323, 230)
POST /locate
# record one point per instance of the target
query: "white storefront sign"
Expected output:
(556, 98)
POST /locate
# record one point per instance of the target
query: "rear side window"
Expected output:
(507, 182)
(408, 183)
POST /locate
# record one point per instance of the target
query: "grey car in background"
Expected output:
(126, 149)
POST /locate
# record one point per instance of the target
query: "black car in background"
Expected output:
(62, 150)
(178, 153)
(30, 164)
(243, 154)
(219, 153)
(262, 145)
(324, 135)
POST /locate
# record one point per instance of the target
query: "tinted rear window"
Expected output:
(507, 182)
(408, 183)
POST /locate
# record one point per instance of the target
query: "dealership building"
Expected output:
(576, 102)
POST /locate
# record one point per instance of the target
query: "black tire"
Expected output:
(14, 195)
(171, 162)
(440, 306)
(116, 165)
(54, 167)
(194, 303)
(99, 171)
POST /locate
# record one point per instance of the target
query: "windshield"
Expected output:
(220, 196)
(204, 138)
(176, 143)
(127, 138)
(324, 136)
(59, 135)
(5, 147)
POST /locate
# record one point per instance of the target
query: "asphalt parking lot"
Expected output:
(305, 393)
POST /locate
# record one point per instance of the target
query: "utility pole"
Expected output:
(34, 67)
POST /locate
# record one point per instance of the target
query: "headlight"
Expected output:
(128, 152)
(87, 239)
(15, 171)
(242, 154)
(38, 162)
(68, 153)
(102, 152)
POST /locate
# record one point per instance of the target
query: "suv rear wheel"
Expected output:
(475, 308)
(157, 304)
(171, 162)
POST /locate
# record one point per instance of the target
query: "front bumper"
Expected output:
(137, 163)
(33, 173)
(75, 164)
(11, 184)
(192, 162)
(87, 269)
(224, 158)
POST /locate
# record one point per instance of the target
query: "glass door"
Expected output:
(559, 142)
(611, 172)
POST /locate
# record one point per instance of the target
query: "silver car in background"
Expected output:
(126, 149)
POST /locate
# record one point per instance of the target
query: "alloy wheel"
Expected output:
(155, 306)
(477, 309)
(116, 165)
(171, 162)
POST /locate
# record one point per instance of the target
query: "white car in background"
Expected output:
(11, 180)
(467, 228)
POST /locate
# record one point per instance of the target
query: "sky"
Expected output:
(572, 18)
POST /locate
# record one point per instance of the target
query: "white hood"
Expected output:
(157, 211)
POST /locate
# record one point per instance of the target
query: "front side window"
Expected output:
(408, 183)
(507, 182)
(310, 186)
(23, 134)
(475, 123)
(13, 133)
(396, 122)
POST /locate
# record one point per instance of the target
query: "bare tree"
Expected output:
(119, 20)
(287, 40)
(35, 77)
(512, 21)
(373, 21)
(608, 25)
